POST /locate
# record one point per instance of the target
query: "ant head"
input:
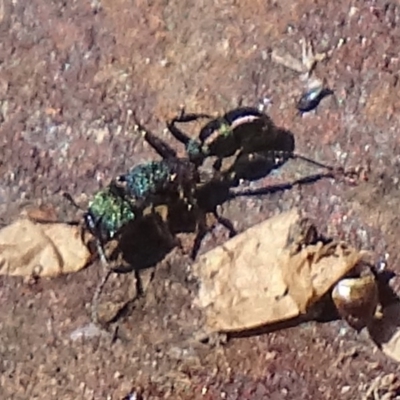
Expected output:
(108, 212)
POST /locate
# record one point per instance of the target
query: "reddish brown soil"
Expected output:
(69, 73)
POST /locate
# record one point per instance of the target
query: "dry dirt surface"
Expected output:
(70, 75)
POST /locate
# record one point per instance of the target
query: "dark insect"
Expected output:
(244, 129)
(241, 144)
(312, 97)
(136, 195)
(141, 193)
(129, 196)
(197, 190)
(245, 143)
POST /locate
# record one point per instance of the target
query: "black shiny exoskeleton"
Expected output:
(245, 143)
(138, 194)
(244, 130)
(189, 186)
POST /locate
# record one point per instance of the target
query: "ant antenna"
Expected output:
(159, 145)
(313, 162)
(72, 201)
(291, 155)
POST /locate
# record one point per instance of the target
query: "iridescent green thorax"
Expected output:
(146, 179)
(110, 212)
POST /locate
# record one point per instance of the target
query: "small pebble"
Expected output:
(311, 98)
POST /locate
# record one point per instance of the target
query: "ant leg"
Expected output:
(139, 285)
(72, 201)
(290, 154)
(96, 297)
(226, 223)
(282, 186)
(190, 117)
(105, 267)
(282, 156)
(183, 118)
(313, 162)
(202, 230)
(99, 245)
(92, 227)
(107, 271)
(159, 145)
(334, 170)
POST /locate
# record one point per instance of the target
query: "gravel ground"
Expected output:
(70, 74)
